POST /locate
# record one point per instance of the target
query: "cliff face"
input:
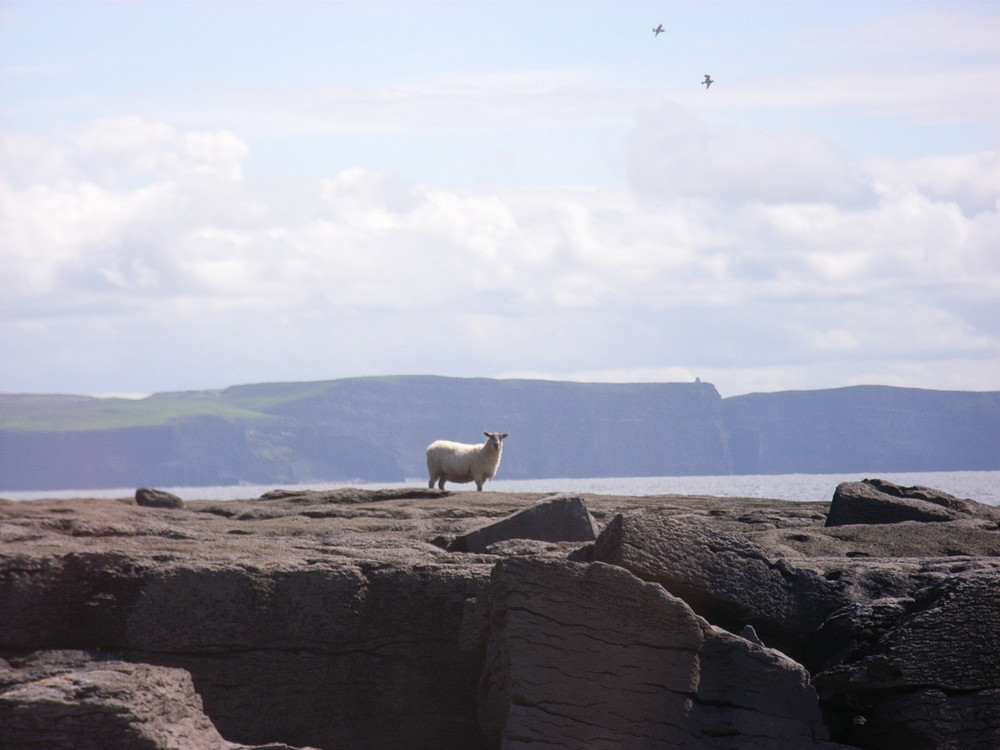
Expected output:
(864, 428)
(376, 429)
(557, 429)
(415, 618)
(373, 429)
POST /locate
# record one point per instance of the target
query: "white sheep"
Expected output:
(464, 462)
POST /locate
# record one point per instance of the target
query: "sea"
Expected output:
(983, 486)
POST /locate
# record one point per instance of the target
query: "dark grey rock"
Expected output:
(106, 705)
(563, 518)
(330, 620)
(914, 682)
(590, 656)
(876, 501)
(934, 719)
(751, 635)
(326, 651)
(151, 498)
(725, 577)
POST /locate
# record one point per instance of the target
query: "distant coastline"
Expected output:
(375, 430)
(983, 486)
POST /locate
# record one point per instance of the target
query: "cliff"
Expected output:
(376, 429)
(863, 428)
(372, 429)
(418, 618)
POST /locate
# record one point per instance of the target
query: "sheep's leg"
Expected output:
(441, 484)
(479, 485)
(430, 484)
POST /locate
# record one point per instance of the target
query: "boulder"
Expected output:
(89, 702)
(563, 518)
(588, 655)
(876, 501)
(151, 498)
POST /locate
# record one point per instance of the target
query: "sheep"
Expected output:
(464, 462)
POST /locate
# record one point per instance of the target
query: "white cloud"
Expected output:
(675, 156)
(728, 263)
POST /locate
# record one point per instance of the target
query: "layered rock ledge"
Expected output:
(428, 619)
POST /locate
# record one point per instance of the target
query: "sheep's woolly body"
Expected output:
(464, 462)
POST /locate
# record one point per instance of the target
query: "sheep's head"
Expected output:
(494, 438)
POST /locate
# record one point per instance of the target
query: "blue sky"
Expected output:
(199, 194)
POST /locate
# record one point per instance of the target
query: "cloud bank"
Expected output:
(757, 259)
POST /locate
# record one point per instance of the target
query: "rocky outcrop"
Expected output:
(590, 656)
(877, 501)
(928, 676)
(82, 701)
(883, 622)
(557, 519)
(337, 619)
(152, 498)
(314, 630)
(726, 577)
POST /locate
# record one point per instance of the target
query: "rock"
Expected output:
(751, 635)
(563, 518)
(876, 501)
(590, 656)
(295, 628)
(103, 704)
(352, 496)
(151, 498)
(726, 578)
(331, 620)
(912, 679)
(884, 629)
(262, 639)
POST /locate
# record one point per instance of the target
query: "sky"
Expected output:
(202, 194)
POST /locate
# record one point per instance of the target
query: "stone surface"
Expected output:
(152, 498)
(326, 631)
(335, 619)
(929, 671)
(726, 577)
(590, 656)
(81, 701)
(877, 501)
(563, 518)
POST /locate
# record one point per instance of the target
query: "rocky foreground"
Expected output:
(421, 619)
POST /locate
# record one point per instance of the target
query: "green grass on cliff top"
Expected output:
(58, 413)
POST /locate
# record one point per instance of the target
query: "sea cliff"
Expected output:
(376, 429)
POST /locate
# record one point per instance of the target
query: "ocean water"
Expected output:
(983, 486)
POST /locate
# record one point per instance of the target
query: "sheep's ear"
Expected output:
(503, 436)
(486, 434)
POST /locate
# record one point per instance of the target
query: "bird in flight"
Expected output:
(708, 81)
(658, 30)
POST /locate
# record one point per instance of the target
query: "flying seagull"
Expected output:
(658, 30)
(708, 81)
